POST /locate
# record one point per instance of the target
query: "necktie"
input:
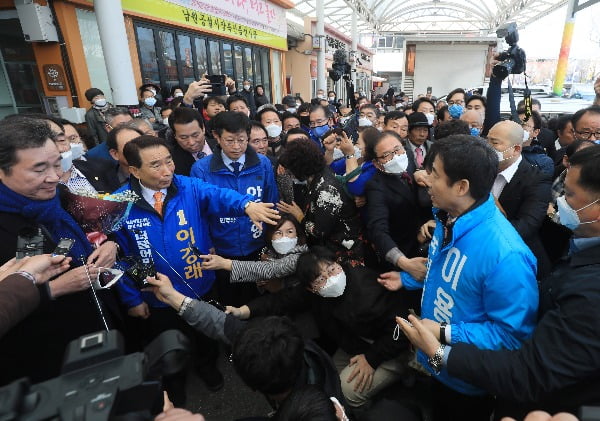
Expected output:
(419, 156)
(199, 155)
(236, 168)
(158, 202)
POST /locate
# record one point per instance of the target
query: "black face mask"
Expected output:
(305, 120)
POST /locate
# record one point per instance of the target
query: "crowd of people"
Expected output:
(371, 259)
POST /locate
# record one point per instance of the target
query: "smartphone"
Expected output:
(217, 82)
(411, 311)
(64, 247)
(429, 90)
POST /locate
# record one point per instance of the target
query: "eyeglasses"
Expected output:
(587, 135)
(231, 142)
(398, 150)
(257, 141)
(457, 102)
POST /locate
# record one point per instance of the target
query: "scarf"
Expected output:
(51, 215)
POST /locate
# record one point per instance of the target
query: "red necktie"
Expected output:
(419, 156)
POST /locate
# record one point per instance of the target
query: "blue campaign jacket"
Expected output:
(238, 236)
(482, 283)
(145, 233)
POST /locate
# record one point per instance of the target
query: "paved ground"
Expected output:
(234, 401)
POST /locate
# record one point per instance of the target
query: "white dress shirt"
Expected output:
(504, 177)
(148, 194)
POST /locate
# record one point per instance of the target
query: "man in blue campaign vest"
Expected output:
(480, 287)
(171, 213)
(236, 166)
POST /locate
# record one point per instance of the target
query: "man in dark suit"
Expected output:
(115, 142)
(188, 139)
(417, 144)
(522, 192)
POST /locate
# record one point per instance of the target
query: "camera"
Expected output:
(217, 82)
(139, 271)
(513, 60)
(30, 242)
(99, 382)
(340, 66)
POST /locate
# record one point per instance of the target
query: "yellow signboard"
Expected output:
(194, 19)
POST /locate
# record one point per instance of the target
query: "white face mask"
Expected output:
(343, 120)
(246, 87)
(284, 244)
(321, 96)
(150, 101)
(76, 150)
(568, 216)
(337, 153)
(66, 160)
(291, 110)
(357, 152)
(100, 102)
(334, 286)
(399, 105)
(430, 118)
(178, 94)
(501, 157)
(525, 135)
(273, 130)
(364, 122)
(397, 165)
(166, 121)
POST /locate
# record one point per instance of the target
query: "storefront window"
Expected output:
(185, 58)
(201, 57)
(239, 65)
(94, 56)
(215, 57)
(264, 58)
(248, 64)
(228, 60)
(168, 59)
(257, 66)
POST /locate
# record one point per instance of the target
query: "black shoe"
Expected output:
(213, 378)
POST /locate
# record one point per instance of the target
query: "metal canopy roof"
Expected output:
(479, 17)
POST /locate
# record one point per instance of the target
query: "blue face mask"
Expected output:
(320, 130)
(475, 131)
(455, 111)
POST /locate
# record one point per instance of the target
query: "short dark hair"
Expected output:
(594, 109)
(448, 128)
(40, 116)
(305, 106)
(131, 151)
(111, 139)
(393, 115)
(234, 98)
(415, 105)
(456, 91)
(576, 145)
(217, 99)
(441, 113)
(561, 123)
(303, 158)
(369, 107)
(588, 160)
(232, 122)
(19, 134)
(534, 101)
(285, 217)
(476, 97)
(306, 403)
(257, 125)
(308, 267)
(286, 115)
(466, 157)
(268, 355)
(535, 116)
(293, 131)
(185, 115)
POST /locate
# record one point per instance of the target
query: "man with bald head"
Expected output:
(522, 192)
(475, 121)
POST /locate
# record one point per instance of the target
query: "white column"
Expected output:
(113, 38)
(321, 76)
(354, 45)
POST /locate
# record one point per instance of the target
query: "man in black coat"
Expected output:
(417, 144)
(188, 139)
(522, 192)
(558, 368)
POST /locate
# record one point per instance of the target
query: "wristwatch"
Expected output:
(350, 156)
(435, 362)
(247, 204)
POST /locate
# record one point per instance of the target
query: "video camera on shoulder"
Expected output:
(30, 242)
(98, 382)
